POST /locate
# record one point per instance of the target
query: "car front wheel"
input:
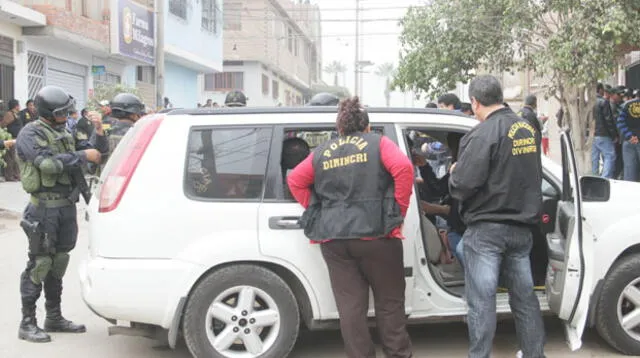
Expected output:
(241, 311)
(618, 310)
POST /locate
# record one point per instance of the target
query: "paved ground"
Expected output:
(442, 340)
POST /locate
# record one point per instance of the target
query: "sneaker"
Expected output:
(519, 354)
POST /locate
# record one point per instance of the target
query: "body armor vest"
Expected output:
(115, 134)
(33, 180)
(353, 195)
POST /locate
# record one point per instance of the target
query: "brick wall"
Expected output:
(64, 19)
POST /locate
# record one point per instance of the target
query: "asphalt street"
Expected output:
(435, 340)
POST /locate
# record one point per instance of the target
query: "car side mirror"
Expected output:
(595, 189)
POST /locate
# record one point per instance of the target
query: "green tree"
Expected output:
(335, 68)
(106, 92)
(572, 43)
(387, 71)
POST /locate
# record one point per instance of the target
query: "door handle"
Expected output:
(284, 223)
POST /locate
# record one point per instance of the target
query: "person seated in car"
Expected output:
(294, 151)
(431, 187)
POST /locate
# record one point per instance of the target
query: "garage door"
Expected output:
(70, 76)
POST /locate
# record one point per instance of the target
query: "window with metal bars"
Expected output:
(275, 85)
(105, 79)
(233, 15)
(36, 70)
(210, 16)
(146, 74)
(224, 81)
(178, 8)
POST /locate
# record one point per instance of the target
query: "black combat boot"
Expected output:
(29, 330)
(54, 321)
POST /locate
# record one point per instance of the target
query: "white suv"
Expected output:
(194, 234)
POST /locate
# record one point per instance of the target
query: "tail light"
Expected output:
(125, 162)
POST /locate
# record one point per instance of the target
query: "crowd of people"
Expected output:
(615, 151)
(356, 211)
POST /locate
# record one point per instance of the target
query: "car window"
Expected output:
(292, 143)
(227, 163)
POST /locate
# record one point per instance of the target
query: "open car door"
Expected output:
(570, 248)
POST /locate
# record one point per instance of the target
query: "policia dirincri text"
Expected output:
(50, 162)
(356, 191)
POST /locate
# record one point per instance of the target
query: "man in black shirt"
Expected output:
(29, 113)
(497, 180)
(605, 138)
(84, 129)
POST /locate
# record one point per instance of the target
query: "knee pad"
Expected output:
(40, 269)
(59, 264)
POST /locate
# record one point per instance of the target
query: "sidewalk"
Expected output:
(14, 199)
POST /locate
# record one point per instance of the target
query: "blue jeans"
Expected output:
(456, 246)
(491, 249)
(631, 158)
(603, 146)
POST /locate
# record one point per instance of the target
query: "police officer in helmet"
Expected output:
(127, 109)
(324, 99)
(235, 99)
(49, 159)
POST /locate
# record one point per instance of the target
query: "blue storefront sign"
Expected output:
(135, 31)
(98, 70)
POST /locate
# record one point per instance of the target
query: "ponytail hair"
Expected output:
(351, 117)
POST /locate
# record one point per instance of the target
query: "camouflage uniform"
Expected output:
(47, 154)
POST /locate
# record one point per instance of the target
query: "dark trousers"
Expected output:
(47, 271)
(354, 266)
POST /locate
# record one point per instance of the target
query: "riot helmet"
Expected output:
(235, 99)
(125, 104)
(53, 102)
(324, 99)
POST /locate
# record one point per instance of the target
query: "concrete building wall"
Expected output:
(19, 60)
(253, 72)
(263, 31)
(181, 85)
(190, 36)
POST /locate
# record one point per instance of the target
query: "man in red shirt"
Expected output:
(356, 190)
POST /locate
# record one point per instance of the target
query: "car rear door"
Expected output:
(570, 247)
(284, 241)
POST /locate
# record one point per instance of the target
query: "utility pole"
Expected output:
(159, 53)
(356, 65)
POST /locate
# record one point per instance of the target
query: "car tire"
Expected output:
(608, 324)
(200, 324)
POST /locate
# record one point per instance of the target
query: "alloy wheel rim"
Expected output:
(628, 309)
(242, 322)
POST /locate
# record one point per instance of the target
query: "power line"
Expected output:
(269, 18)
(284, 37)
(336, 9)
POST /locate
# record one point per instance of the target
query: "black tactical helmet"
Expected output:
(235, 99)
(125, 104)
(324, 99)
(53, 101)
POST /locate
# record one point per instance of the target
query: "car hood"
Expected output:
(625, 192)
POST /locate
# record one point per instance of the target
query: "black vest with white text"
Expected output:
(353, 194)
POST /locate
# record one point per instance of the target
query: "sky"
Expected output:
(379, 44)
